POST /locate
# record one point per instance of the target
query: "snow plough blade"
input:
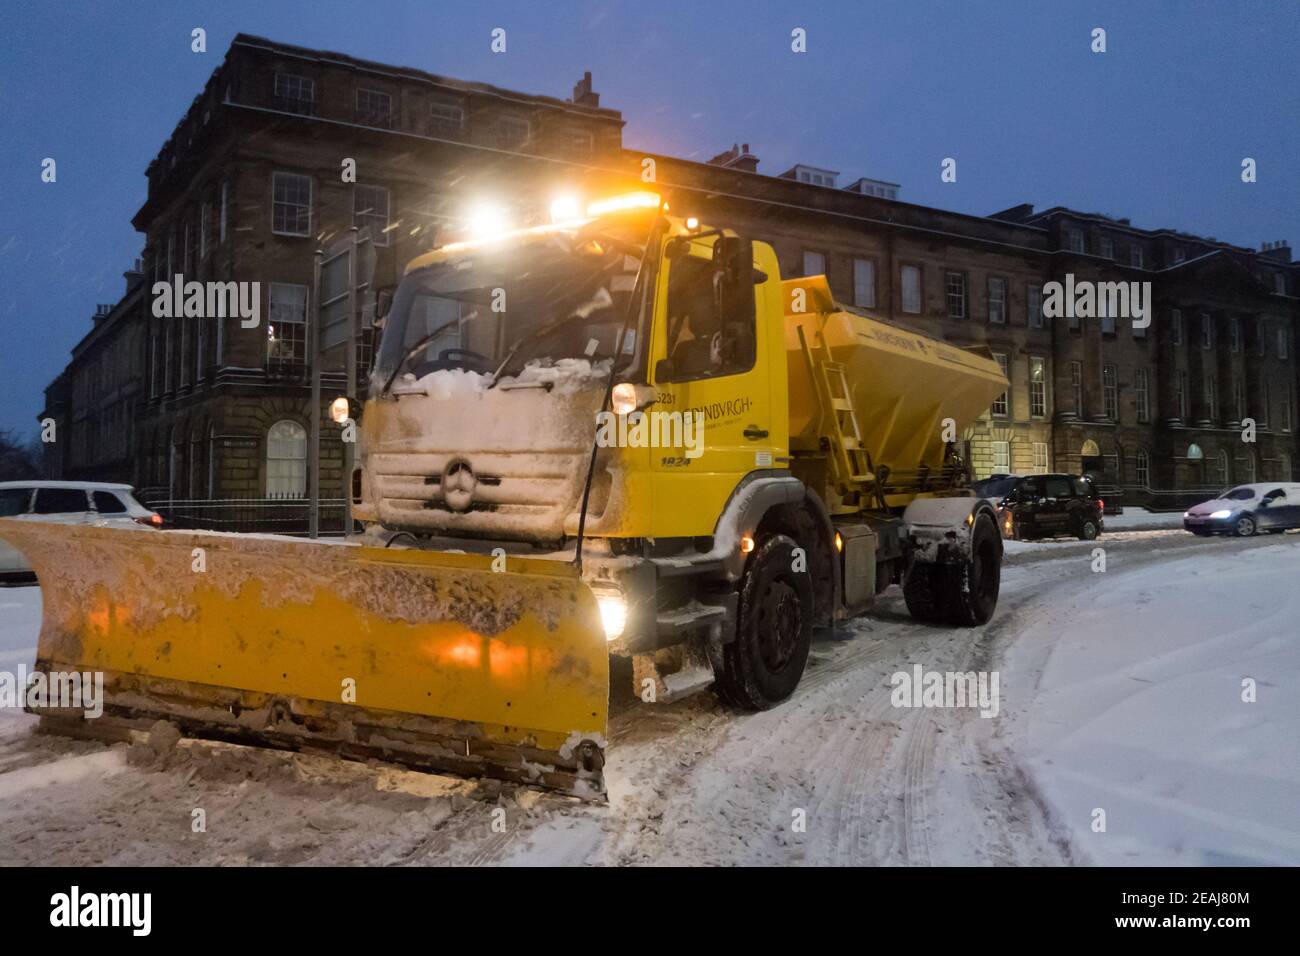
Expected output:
(427, 659)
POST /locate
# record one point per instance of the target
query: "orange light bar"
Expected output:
(637, 200)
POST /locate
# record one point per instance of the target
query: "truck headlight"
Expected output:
(613, 613)
(1220, 514)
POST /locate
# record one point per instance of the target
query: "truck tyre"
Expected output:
(763, 665)
(921, 591)
(970, 592)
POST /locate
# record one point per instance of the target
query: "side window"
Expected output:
(1082, 489)
(107, 503)
(1031, 489)
(1275, 495)
(14, 501)
(702, 342)
(1057, 488)
(60, 501)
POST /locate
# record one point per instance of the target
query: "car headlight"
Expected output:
(1220, 514)
(613, 613)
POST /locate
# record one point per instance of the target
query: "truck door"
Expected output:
(709, 358)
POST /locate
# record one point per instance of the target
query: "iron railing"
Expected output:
(271, 515)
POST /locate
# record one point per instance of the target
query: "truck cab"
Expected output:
(615, 391)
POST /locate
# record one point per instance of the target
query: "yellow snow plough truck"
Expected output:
(620, 433)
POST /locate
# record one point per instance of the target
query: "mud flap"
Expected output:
(428, 659)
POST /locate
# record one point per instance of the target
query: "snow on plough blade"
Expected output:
(428, 659)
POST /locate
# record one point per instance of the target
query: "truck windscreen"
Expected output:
(564, 295)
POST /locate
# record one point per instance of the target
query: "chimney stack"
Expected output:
(582, 94)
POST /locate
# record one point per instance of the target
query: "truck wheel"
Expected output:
(972, 587)
(763, 665)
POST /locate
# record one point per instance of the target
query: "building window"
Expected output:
(1143, 469)
(1286, 408)
(1104, 313)
(1002, 404)
(1261, 337)
(1238, 398)
(446, 118)
(1041, 461)
(291, 204)
(1074, 240)
(374, 108)
(1076, 386)
(187, 249)
(1266, 399)
(910, 282)
(1034, 305)
(1211, 398)
(1037, 387)
(513, 132)
(1142, 394)
(370, 210)
(204, 225)
(1176, 326)
(814, 264)
(864, 283)
(1110, 392)
(1135, 257)
(1279, 283)
(1107, 247)
(286, 460)
(1207, 331)
(956, 286)
(1001, 457)
(286, 329)
(998, 301)
(294, 94)
(1180, 393)
(1234, 333)
(1283, 346)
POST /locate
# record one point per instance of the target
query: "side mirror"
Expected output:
(734, 257)
(383, 303)
(664, 370)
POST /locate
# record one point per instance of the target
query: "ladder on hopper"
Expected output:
(850, 465)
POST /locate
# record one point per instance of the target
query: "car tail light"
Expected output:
(1101, 504)
(153, 520)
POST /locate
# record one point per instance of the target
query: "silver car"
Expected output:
(1246, 509)
(66, 502)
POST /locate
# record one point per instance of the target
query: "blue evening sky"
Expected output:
(1154, 129)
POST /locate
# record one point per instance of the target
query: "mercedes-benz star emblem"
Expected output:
(458, 484)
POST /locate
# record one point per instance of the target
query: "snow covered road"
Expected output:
(1120, 691)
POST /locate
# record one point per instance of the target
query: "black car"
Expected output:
(1044, 506)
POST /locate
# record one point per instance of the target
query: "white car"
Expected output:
(1245, 509)
(66, 502)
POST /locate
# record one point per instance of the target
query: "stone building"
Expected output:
(283, 152)
(250, 186)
